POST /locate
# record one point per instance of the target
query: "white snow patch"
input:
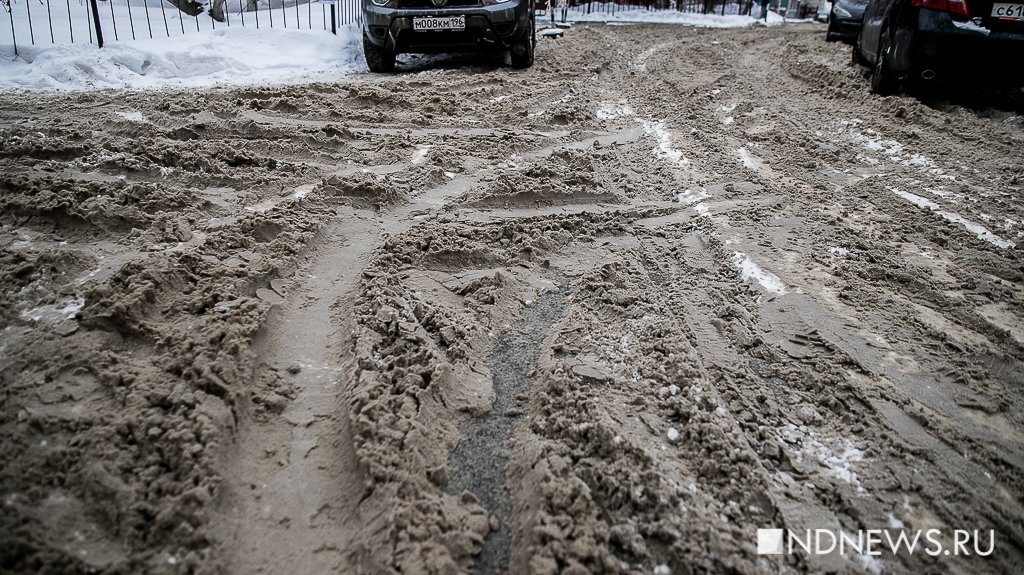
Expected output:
(841, 252)
(749, 162)
(225, 56)
(68, 310)
(977, 229)
(132, 116)
(727, 120)
(613, 111)
(970, 26)
(420, 155)
(303, 191)
(750, 270)
(664, 151)
(702, 210)
(662, 570)
(837, 456)
(692, 196)
(894, 522)
(672, 434)
(872, 141)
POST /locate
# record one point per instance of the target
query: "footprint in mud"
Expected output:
(478, 464)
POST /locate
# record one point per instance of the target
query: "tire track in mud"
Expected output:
(292, 486)
(479, 464)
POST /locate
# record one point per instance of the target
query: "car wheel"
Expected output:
(523, 49)
(883, 81)
(856, 58)
(378, 59)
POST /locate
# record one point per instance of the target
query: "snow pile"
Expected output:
(610, 13)
(227, 55)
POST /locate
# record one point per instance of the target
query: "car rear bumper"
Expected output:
(494, 27)
(964, 50)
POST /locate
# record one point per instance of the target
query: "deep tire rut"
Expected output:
(480, 462)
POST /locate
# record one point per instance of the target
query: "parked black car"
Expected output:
(923, 41)
(392, 27)
(844, 20)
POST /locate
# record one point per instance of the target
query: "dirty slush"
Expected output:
(610, 315)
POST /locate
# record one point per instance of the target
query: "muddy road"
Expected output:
(612, 314)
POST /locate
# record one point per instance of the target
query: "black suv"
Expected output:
(392, 27)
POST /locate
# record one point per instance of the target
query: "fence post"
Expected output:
(14, 35)
(334, 21)
(96, 20)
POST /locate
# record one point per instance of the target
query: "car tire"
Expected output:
(378, 59)
(883, 81)
(856, 58)
(523, 49)
(830, 32)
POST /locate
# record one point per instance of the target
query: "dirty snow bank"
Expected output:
(233, 55)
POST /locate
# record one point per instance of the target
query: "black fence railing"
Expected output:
(573, 8)
(99, 21)
(567, 10)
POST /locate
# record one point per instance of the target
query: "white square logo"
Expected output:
(770, 542)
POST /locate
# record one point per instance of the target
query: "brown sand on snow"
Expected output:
(671, 285)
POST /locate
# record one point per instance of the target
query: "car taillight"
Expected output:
(955, 7)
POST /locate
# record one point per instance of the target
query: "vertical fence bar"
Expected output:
(334, 20)
(323, 12)
(14, 36)
(113, 20)
(131, 21)
(298, 20)
(284, 14)
(96, 18)
(270, 11)
(309, 13)
(49, 18)
(241, 11)
(227, 12)
(88, 21)
(198, 29)
(149, 25)
(71, 23)
(31, 32)
(167, 27)
(257, 14)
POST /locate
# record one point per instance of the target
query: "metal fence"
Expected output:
(576, 8)
(99, 21)
(573, 9)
